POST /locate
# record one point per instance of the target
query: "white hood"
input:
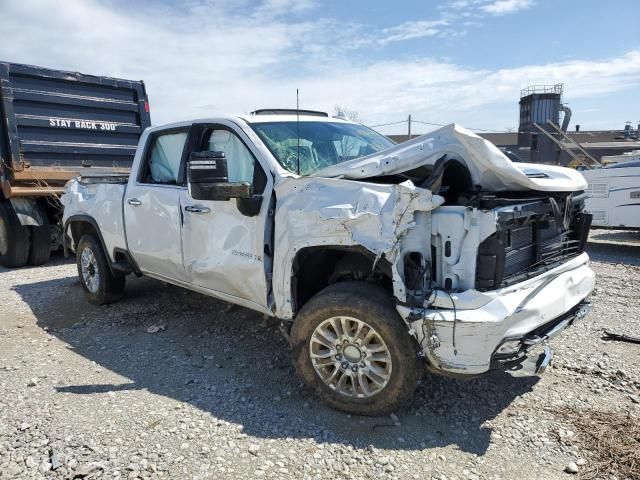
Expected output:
(489, 167)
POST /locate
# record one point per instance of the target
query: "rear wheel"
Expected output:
(352, 348)
(40, 250)
(99, 284)
(14, 238)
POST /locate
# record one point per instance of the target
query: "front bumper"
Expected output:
(520, 348)
(470, 333)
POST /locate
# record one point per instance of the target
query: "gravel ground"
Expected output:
(88, 392)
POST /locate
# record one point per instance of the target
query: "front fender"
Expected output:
(386, 220)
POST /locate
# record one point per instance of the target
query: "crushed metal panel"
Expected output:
(488, 166)
(334, 212)
(462, 340)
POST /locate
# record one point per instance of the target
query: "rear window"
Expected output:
(164, 158)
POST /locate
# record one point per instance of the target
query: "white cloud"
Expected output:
(210, 59)
(445, 92)
(459, 4)
(281, 7)
(501, 7)
(411, 30)
(482, 8)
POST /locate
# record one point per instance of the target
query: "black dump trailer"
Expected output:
(55, 125)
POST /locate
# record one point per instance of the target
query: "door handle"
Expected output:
(197, 209)
(134, 201)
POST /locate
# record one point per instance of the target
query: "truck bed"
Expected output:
(100, 199)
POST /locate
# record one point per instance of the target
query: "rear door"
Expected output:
(152, 211)
(225, 242)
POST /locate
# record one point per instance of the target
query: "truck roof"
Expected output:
(290, 118)
(253, 119)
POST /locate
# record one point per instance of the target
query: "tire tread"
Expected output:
(40, 250)
(367, 300)
(18, 238)
(111, 288)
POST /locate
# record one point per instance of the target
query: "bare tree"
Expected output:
(346, 113)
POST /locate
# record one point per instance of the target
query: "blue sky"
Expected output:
(461, 61)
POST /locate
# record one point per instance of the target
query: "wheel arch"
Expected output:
(78, 225)
(316, 267)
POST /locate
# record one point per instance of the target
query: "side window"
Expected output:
(240, 161)
(164, 158)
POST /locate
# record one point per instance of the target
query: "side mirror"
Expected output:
(208, 179)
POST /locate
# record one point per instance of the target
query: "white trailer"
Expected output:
(614, 195)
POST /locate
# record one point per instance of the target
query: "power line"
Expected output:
(386, 124)
(430, 123)
(469, 128)
(438, 125)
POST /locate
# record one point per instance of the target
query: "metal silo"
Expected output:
(540, 104)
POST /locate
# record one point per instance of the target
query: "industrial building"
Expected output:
(543, 138)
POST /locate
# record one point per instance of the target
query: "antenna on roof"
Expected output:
(298, 125)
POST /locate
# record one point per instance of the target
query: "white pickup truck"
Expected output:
(381, 260)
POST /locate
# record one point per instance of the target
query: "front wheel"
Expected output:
(352, 348)
(99, 284)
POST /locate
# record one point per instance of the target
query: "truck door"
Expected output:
(224, 241)
(152, 212)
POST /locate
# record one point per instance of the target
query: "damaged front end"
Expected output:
(516, 277)
(486, 256)
(472, 332)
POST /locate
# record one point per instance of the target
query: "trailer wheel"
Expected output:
(99, 284)
(14, 238)
(40, 242)
(350, 346)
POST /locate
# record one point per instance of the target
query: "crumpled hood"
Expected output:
(489, 167)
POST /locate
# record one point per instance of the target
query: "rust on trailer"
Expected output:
(36, 174)
(35, 191)
(60, 174)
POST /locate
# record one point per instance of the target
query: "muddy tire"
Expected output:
(350, 346)
(100, 285)
(14, 238)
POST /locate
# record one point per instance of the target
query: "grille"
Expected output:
(529, 243)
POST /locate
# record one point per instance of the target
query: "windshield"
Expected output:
(322, 144)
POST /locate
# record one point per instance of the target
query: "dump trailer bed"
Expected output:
(55, 125)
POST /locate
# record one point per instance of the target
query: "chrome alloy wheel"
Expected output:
(90, 271)
(350, 357)
(4, 237)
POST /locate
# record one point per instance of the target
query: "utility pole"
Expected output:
(409, 122)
